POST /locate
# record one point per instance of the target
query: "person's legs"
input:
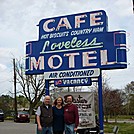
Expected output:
(69, 129)
(39, 131)
(49, 130)
(44, 130)
(66, 129)
(57, 132)
(54, 132)
(60, 132)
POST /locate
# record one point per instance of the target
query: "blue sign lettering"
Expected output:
(101, 50)
(73, 25)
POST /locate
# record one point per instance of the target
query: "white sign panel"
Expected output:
(72, 74)
(85, 104)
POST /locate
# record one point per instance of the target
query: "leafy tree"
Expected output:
(22, 102)
(131, 104)
(129, 97)
(6, 103)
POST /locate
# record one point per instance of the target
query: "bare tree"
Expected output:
(112, 103)
(105, 89)
(32, 86)
(112, 99)
(106, 102)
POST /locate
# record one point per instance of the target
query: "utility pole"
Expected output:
(15, 98)
(133, 5)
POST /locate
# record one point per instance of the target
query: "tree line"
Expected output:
(32, 89)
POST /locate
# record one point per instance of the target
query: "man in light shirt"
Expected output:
(44, 117)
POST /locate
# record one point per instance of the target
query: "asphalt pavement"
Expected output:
(10, 127)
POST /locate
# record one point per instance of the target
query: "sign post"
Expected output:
(73, 49)
(100, 98)
(47, 87)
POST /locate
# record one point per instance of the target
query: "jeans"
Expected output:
(57, 132)
(69, 129)
(45, 130)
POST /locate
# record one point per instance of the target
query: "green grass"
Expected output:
(124, 128)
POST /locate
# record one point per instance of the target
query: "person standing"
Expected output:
(71, 116)
(58, 116)
(44, 117)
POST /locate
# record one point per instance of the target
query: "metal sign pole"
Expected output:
(47, 87)
(100, 103)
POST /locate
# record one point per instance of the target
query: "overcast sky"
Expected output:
(18, 22)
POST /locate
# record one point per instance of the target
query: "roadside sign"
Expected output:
(72, 25)
(75, 47)
(73, 82)
(72, 74)
(100, 50)
(86, 108)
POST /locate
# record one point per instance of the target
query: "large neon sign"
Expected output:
(76, 42)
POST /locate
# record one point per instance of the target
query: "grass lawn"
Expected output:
(124, 128)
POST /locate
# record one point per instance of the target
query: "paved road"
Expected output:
(10, 127)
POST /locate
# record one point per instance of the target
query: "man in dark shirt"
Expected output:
(44, 116)
(71, 116)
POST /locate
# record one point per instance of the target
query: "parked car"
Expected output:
(22, 116)
(1, 115)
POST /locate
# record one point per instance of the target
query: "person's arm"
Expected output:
(38, 113)
(76, 118)
(38, 122)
